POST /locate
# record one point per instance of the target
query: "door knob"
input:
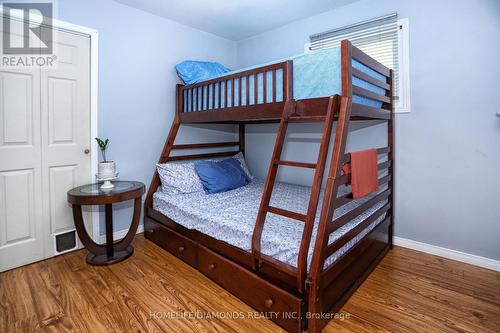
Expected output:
(86, 151)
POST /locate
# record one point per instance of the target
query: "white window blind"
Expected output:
(377, 37)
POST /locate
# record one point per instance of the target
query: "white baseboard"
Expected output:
(449, 254)
(120, 234)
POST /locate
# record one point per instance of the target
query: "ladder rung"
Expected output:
(287, 213)
(297, 164)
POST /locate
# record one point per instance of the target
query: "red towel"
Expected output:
(364, 172)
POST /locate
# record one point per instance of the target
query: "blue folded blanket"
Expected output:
(191, 71)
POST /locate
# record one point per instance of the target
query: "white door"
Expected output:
(65, 128)
(21, 225)
(44, 137)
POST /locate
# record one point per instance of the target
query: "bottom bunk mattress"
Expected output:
(230, 217)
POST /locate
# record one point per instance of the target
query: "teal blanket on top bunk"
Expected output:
(315, 74)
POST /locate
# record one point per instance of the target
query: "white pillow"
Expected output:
(179, 178)
(241, 159)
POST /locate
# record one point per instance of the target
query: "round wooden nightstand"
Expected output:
(91, 194)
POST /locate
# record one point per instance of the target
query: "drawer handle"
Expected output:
(211, 267)
(268, 303)
(181, 249)
(151, 231)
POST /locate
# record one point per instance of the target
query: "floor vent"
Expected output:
(65, 241)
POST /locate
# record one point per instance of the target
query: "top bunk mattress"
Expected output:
(315, 74)
(230, 217)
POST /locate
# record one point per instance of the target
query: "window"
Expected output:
(386, 40)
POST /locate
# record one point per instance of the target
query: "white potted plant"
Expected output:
(105, 169)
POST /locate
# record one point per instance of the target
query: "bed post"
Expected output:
(288, 81)
(241, 137)
(390, 157)
(167, 148)
(332, 184)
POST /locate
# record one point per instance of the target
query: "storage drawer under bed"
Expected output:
(178, 245)
(281, 306)
(277, 304)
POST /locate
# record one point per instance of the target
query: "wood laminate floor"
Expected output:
(409, 291)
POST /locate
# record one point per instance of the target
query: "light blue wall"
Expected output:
(137, 54)
(448, 147)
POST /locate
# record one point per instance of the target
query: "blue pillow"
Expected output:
(220, 176)
(191, 71)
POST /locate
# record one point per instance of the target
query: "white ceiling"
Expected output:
(235, 19)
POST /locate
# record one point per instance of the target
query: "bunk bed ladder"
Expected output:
(290, 115)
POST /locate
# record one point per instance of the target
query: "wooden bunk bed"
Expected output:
(302, 297)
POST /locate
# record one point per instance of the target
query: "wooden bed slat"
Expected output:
(369, 61)
(346, 198)
(205, 145)
(200, 156)
(248, 90)
(184, 101)
(232, 93)
(356, 230)
(203, 98)
(380, 151)
(384, 165)
(198, 99)
(297, 164)
(192, 100)
(370, 94)
(361, 110)
(288, 80)
(370, 79)
(286, 213)
(213, 96)
(219, 92)
(346, 218)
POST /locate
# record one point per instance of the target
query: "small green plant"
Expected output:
(103, 145)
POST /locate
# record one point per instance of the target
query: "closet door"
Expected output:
(22, 231)
(65, 130)
(44, 149)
